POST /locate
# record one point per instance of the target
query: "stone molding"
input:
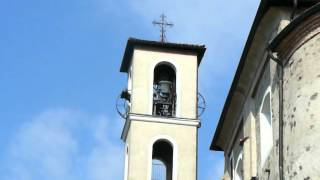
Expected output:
(153, 119)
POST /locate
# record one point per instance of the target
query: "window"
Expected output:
(162, 160)
(164, 90)
(266, 137)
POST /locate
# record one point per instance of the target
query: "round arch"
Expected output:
(167, 63)
(176, 69)
(169, 141)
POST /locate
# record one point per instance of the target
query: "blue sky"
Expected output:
(59, 78)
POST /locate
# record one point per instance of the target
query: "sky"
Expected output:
(59, 79)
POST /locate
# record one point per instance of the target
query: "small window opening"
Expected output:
(162, 161)
(164, 91)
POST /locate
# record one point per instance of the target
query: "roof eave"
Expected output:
(261, 10)
(132, 43)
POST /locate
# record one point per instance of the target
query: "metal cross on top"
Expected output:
(163, 24)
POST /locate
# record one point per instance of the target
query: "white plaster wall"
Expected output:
(142, 136)
(143, 64)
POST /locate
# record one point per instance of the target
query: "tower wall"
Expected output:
(142, 135)
(143, 64)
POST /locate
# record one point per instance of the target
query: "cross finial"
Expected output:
(163, 24)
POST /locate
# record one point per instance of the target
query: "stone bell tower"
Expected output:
(162, 122)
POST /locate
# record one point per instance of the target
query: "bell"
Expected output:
(165, 86)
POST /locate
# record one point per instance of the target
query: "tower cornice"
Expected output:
(153, 119)
(134, 43)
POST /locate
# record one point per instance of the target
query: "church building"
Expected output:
(269, 128)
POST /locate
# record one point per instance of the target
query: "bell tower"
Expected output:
(160, 110)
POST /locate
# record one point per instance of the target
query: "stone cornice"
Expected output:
(153, 119)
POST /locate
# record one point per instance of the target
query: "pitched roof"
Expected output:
(132, 43)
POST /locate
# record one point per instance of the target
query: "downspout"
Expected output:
(281, 65)
(295, 6)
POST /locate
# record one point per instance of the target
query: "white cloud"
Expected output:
(66, 144)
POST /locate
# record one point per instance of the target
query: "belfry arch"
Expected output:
(164, 90)
(162, 155)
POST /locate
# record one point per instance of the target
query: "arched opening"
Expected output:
(266, 136)
(162, 160)
(164, 90)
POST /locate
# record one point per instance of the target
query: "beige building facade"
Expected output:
(162, 120)
(269, 126)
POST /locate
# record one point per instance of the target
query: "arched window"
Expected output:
(162, 160)
(164, 90)
(266, 137)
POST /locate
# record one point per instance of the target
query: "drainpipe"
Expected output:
(281, 65)
(295, 5)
